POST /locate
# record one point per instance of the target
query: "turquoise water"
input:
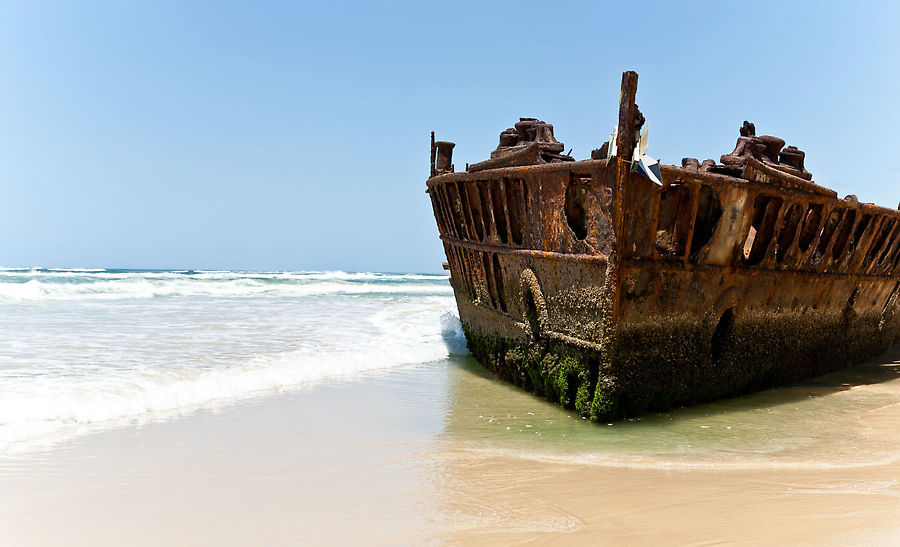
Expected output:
(821, 423)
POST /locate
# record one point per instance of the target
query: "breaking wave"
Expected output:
(42, 284)
(88, 350)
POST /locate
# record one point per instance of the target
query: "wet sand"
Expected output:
(554, 504)
(441, 453)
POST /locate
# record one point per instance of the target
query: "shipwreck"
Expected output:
(616, 286)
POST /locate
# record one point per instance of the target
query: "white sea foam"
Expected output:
(142, 288)
(97, 350)
(63, 285)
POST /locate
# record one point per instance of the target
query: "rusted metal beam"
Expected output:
(625, 137)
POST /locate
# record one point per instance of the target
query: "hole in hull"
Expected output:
(875, 248)
(499, 212)
(672, 223)
(471, 193)
(859, 231)
(765, 213)
(843, 235)
(709, 211)
(514, 204)
(831, 225)
(810, 227)
(788, 231)
(577, 207)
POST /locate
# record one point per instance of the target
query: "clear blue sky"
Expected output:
(267, 135)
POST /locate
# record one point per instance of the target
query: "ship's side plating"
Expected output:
(593, 286)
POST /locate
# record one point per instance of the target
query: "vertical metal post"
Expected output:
(625, 150)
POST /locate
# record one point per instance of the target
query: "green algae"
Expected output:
(559, 373)
(681, 361)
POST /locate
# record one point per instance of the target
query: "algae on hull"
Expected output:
(673, 363)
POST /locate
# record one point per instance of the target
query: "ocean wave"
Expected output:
(315, 275)
(45, 408)
(36, 269)
(66, 285)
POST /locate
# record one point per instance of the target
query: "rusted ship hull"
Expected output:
(590, 284)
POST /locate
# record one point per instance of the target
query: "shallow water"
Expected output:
(818, 424)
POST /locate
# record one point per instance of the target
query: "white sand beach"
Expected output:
(443, 454)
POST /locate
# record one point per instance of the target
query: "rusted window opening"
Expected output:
(514, 205)
(890, 242)
(464, 201)
(447, 211)
(462, 204)
(876, 247)
(788, 231)
(691, 215)
(497, 190)
(487, 208)
(765, 213)
(683, 217)
(526, 209)
(577, 194)
(451, 219)
(810, 226)
(498, 281)
(709, 211)
(831, 224)
(459, 216)
(673, 219)
(859, 231)
(665, 220)
(475, 209)
(472, 207)
(843, 234)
